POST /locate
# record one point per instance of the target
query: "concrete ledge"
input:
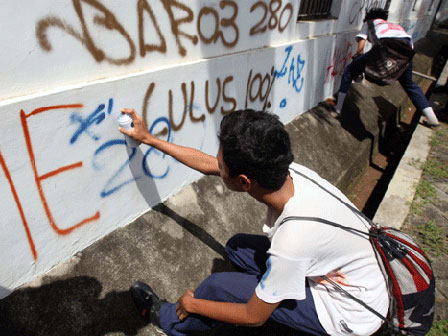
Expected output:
(395, 205)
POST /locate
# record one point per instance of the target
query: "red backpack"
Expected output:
(389, 58)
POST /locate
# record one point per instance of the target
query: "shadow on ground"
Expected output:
(78, 308)
(75, 302)
(391, 144)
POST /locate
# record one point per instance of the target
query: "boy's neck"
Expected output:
(275, 200)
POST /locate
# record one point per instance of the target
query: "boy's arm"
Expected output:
(361, 39)
(360, 49)
(254, 313)
(361, 45)
(190, 157)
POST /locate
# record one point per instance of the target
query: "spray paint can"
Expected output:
(125, 122)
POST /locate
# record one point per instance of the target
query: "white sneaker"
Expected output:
(431, 118)
(430, 125)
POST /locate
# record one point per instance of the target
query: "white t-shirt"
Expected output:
(309, 249)
(383, 29)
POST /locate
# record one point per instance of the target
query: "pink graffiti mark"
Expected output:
(341, 58)
(336, 276)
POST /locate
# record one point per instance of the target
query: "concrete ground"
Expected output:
(181, 241)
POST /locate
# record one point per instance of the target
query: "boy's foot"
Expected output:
(359, 78)
(330, 101)
(428, 124)
(430, 117)
(330, 104)
(147, 302)
(335, 114)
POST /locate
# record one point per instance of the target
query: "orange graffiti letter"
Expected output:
(38, 178)
(19, 206)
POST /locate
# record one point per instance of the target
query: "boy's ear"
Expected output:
(244, 182)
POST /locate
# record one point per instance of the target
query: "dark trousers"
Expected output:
(248, 254)
(356, 68)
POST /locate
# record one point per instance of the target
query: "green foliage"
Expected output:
(424, 194)
(435, 168)
(432, 238)
(439, 328)
(440, 138)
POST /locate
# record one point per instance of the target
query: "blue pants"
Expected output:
(248, 254)
(356, 68)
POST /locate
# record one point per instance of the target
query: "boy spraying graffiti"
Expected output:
(280, 272)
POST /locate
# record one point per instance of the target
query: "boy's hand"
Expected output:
(181, 308)
(140, 130)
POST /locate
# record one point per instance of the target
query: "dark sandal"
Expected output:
(147, 302)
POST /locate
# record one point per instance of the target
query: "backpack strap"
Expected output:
(324, 221)
(354, 298)
(332, 282)
(351, 207)
(345, 228)
(371, 26)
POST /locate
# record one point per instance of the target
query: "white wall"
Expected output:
(416, 16)
(84, 40)
(442, 14)
(67, 178)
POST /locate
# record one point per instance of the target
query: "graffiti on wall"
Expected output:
(179, 106)
(341, 58)
(187, 103)
(87, 126)
(259, 87)
(359, 7)
(39, 178)
(211, 26)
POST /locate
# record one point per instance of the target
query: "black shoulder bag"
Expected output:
(388, 58)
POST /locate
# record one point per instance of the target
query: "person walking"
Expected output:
(383, 29)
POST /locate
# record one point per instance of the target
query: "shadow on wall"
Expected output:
(351, 121)
(351, 118)
(431, 44)
(381, 122)
(390, 114)
(146, 186)
(73, 306)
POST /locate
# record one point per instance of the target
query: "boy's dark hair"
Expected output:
(376, 13)
(256, 144)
